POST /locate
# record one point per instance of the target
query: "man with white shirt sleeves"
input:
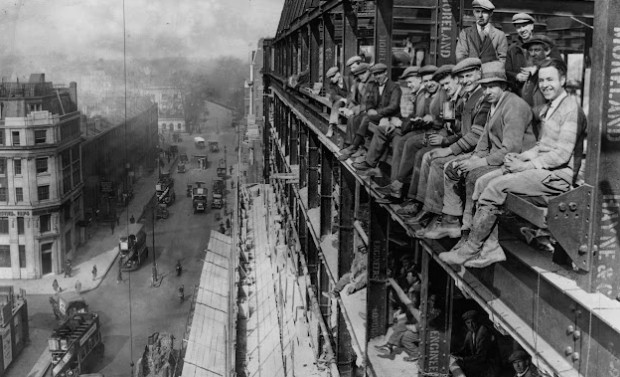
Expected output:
(482, 40)
(548, 169)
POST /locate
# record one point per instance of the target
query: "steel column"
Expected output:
(349, 27)
(377, 295)
(445, 33)
(303, 156)
(327, 189)
(315, 46)
(294, 140)
(383, 33)
(313, 172)
(329, 46)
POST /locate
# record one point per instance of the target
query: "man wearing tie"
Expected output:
(482, 40)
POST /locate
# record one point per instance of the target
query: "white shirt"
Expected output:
(554, 105)
(381, 87)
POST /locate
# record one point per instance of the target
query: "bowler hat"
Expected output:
(484, 4)
(493, 72)
(443, 71)
(331, 72)
(466, 64)
(361, 68)
(353, 59)
(410, 71)
(522, 18)
(428, 70)
(379, 67)
(470, 314)
(518, 355)
(539, 39)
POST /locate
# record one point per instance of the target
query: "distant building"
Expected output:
(218, 117)
(40, 177)
(171, 108)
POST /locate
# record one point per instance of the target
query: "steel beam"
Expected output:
(303, 156)
(446, 31)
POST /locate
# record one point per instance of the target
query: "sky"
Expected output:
(196, 29)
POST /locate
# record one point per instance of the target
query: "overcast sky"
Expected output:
(154, 28)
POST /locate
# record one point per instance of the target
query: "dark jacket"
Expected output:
(479, 356)
(388, 104)
(470, 45)
(517, 59)
(336, 93)
(508, 130)
(472, 114)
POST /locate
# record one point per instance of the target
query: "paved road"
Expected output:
(132, 310)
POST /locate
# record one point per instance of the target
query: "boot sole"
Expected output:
(444, 234)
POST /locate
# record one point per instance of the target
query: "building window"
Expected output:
(5, 256)
(45, 223)
(4, 225)
(3, 196)
(40, 136)
(3, 166)
(17, 166)
(43, 192)
(41, 165)
(16, 140)
(20, 225)
(22, 256)
(19, 194)
(1, 137)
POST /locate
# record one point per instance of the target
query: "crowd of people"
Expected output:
(499, 121)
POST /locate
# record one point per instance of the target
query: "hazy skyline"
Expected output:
(93, 29)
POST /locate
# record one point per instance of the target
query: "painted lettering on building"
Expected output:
(613, 113)
(608, 244)
(433, 351)
(445, 30)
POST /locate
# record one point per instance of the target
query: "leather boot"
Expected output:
(484, 221)
(491, 252)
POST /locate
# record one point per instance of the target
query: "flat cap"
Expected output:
(470, 314)
(331, 72)
(361, 68)
(539, 39)
(466, 64)
(353, 59)
(493, 72)
(518, 355)
(443, 71)
(484, 4)
(428, 70)
(410, 71)
(379, 67)
(522, 18)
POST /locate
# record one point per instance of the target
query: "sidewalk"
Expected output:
(99, 250)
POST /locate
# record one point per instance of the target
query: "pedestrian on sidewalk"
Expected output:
(94, 271)
(78, 287)
(132, 220)
(119, 278)
(68, 268)
(56, 286)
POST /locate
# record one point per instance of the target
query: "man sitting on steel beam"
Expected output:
(361, 96)
(471, 113)
(508, 129)
(482, 40)
(548, 169)
(522, 364)
(441, 87)
(338, 92)
(385, 111)
(478, 356)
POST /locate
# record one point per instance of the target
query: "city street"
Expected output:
(132, 310)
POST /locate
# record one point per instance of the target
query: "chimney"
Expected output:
(73, 93)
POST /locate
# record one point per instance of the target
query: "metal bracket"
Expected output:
(567, 219)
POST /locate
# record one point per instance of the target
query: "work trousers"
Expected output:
(405, 338)
(430, 185)
(398, 145)
(380, 143)
(459, 189)
(353, 124)
(412, 158)
(534, 182)
(334, 114)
